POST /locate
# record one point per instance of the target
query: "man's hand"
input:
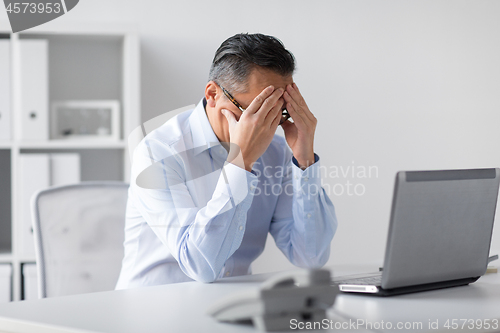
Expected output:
(256, 127)
(299, 134)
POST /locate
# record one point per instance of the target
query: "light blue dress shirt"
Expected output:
(191, 215)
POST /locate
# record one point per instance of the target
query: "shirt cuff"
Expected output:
(307, 182)
(294, 160)
(311, 175)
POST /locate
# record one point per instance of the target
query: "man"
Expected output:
(208, 185)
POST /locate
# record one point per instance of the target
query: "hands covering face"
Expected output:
(255, 129)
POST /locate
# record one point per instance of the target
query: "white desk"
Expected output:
(182, 308)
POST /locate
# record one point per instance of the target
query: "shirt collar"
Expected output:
(201, 130)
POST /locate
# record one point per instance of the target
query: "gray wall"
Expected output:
(396, 85)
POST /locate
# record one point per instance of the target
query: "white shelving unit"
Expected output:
(86, 62)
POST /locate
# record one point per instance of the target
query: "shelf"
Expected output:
(5, 257)
(5, 144)
(26, 259)
(85, 62)
(72, 144)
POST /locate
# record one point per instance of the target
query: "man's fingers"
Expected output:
(293, 96)
(231, 119)
(259, 100)
(276, 113)
(292, 107)
(271, 105)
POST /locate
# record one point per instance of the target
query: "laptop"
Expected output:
(439, 233)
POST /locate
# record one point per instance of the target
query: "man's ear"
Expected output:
(211, 93)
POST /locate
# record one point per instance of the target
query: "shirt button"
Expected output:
(227, 273)
(241, 227)
(306, 179)
(308, 216)
(252, 188)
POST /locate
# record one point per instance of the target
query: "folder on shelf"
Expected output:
(5, 111)
(39, 171)
(34, 175)
(64, 169)
(34, 124)
(5, 283)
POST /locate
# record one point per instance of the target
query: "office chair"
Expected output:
(79, 234)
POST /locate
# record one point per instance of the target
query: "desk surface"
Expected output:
(182, 308)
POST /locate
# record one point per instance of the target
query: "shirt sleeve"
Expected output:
(201, 239)
(304, 221)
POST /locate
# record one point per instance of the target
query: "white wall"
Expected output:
(395, 84)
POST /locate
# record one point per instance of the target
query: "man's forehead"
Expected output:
(261, 78)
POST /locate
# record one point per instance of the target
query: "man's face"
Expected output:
(258, 80)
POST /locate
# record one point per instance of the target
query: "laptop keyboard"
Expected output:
(369, 280)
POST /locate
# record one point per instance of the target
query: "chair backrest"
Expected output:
(79, 233)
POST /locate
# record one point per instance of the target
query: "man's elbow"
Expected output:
(199, 271)
(321, 260)
(205, 278)
(315, 262)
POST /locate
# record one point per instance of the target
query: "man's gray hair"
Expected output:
(239, 55)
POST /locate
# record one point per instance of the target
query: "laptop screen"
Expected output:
(441, 226)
